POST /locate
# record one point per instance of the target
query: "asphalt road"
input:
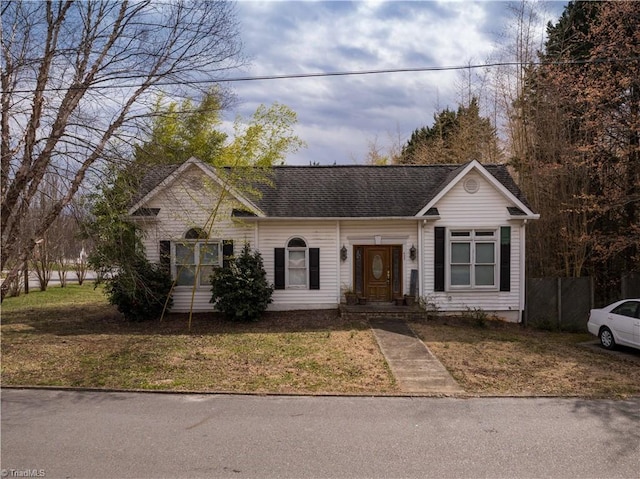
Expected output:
(119, 435)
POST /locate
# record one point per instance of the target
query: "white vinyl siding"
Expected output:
(485, 210)
(316, 234)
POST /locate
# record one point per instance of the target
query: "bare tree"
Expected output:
(64, 233)
(42, 263)
(379, 155)
(81, 265)
(522, 39)
(76, 79)
(63, 265)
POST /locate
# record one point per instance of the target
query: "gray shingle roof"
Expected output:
(350, 191)
(151, 179)
(515, 211)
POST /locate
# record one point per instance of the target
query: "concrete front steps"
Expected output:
(373, 310)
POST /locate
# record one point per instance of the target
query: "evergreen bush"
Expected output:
(140, 292)
(240, 289)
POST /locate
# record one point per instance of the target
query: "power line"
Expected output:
(427, 69)
(289, 76)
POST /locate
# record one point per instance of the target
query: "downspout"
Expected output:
(523, 276)
(339, 261)
(256, 237)
(421, 291)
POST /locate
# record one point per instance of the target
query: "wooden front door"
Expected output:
(378, 271)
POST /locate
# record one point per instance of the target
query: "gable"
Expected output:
(473, 201)
(191, 183)
(480, 190)
(191, 200)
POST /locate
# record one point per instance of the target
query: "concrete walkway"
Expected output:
(414, 367)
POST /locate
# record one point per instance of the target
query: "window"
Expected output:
(472, 259)
(297, 263)
(630, 309)
(296, 266)
(194, 259)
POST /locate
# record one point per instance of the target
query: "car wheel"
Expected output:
(606, 338)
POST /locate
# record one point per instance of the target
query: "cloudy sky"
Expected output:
(339, 116)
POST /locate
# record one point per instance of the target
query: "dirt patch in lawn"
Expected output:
(498, 358)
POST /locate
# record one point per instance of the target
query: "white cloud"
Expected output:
(339, 115)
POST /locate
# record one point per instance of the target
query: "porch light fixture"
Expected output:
(412, 252)
(343, 253)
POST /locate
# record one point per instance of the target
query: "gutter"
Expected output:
(340, 218)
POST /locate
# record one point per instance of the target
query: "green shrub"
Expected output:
(240, 289)
(140, 292)
(478, 315)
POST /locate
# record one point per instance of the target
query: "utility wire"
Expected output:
(342, 73)
(426, 69)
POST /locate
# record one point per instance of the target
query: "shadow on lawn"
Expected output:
(104, 319)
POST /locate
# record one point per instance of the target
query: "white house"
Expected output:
(453, 234)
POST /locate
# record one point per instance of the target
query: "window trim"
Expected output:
(289, 249)
(196, 244)
(472, 237)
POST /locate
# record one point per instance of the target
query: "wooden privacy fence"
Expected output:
(559, 303)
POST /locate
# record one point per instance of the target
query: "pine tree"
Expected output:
(455, 137)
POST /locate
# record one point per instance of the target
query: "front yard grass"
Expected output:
(72, 337)
(497, 358)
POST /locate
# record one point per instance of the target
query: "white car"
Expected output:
(618, 323)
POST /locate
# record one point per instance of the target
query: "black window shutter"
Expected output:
(314, 268)
(505, 258)
(439, 259)
(165, 254)
(279, 268)
(227, 252)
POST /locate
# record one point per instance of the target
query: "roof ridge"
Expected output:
(370, 166)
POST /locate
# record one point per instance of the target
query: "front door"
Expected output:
(378, 271)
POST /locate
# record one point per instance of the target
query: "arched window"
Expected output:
(297, 263)
(196, 233)
(296, 266)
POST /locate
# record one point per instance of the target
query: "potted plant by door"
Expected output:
(409, 300)
(350, 295)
